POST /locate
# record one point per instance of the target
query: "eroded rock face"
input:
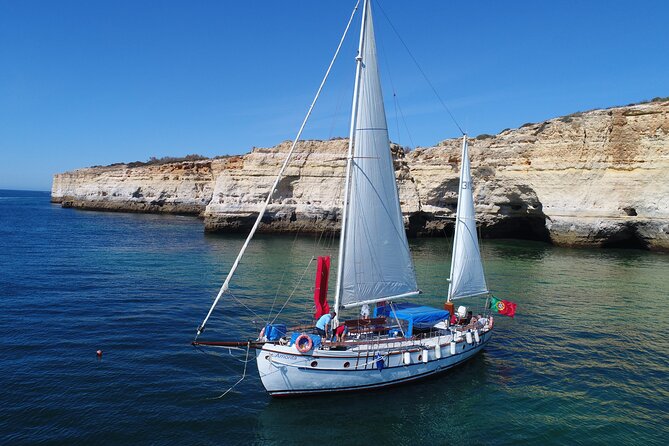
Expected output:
(599, 178)
(307, 199)
(183, 188)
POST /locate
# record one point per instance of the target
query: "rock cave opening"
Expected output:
(627, 238)
(523, 228)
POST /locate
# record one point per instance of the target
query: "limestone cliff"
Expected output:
(590, 179)
(183, 188)
(308, 197)
(598, 178)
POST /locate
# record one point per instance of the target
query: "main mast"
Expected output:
(349, 161)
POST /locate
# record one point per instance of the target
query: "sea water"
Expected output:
(585, 360)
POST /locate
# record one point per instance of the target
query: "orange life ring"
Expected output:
(301, 346)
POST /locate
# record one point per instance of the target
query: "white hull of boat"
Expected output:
(284, 371)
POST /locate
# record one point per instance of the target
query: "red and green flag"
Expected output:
(504, 307)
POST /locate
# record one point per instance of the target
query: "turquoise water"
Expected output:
(584, 362)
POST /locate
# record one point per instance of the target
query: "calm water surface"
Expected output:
(584, 362)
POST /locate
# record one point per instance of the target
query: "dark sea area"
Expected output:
(584, 362)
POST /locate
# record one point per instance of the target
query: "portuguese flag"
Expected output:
(502, 306)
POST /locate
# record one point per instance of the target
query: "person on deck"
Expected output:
(471, 325)
(454, 319)
(323, 324)
(364, 312)
(340, 333)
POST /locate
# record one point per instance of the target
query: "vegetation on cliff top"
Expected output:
(196, 157)
(166, 160)
(570, 117)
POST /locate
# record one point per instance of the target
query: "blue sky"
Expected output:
(96, 82)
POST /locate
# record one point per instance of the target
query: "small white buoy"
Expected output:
(407, 358)
(468, 337)
(477, 337)
(437, 351)
(452, 348)
(99, 354)
(425, 353)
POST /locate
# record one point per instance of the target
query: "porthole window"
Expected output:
(314, 363)
(267, 357)
(347, 364)
(420, 357)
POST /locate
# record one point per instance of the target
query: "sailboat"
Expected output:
(401, 341)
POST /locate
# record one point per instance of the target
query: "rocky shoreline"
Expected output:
(599, 178)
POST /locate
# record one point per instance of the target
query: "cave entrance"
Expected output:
(628, 238)
(523, 228)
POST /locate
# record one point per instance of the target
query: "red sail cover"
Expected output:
(321, 289)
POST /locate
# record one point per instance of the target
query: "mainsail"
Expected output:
(377, 263)
(467, 277)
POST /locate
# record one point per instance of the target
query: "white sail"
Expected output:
(228, 278)
(467, 278)
(377, 262)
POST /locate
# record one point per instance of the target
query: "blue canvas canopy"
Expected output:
(417, 316)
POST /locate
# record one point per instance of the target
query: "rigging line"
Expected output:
(389, 214)
(278, 289)
(397, 121)
(392, 86)
(420, 69)
(222, 361)
(219, 356)
(392, 308)
(226, 284)
(318, 240)
(321, 242)
(248, 347)
(246, 360)
(297, 233)
(293, 292)
(488, 305)
(479, 231)
(396, 101)
(340, 101)
(276, 295)
(406, 126)
(244, 305)
(449, 248)
(325, 240)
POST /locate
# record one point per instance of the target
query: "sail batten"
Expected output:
(377, 261)
(467, 277)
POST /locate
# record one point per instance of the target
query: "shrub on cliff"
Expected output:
(167, 159)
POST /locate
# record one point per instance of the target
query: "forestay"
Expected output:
(467, 277)
(377, 262)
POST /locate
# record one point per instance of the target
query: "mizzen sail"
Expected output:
(467, 277)
(377, 262)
